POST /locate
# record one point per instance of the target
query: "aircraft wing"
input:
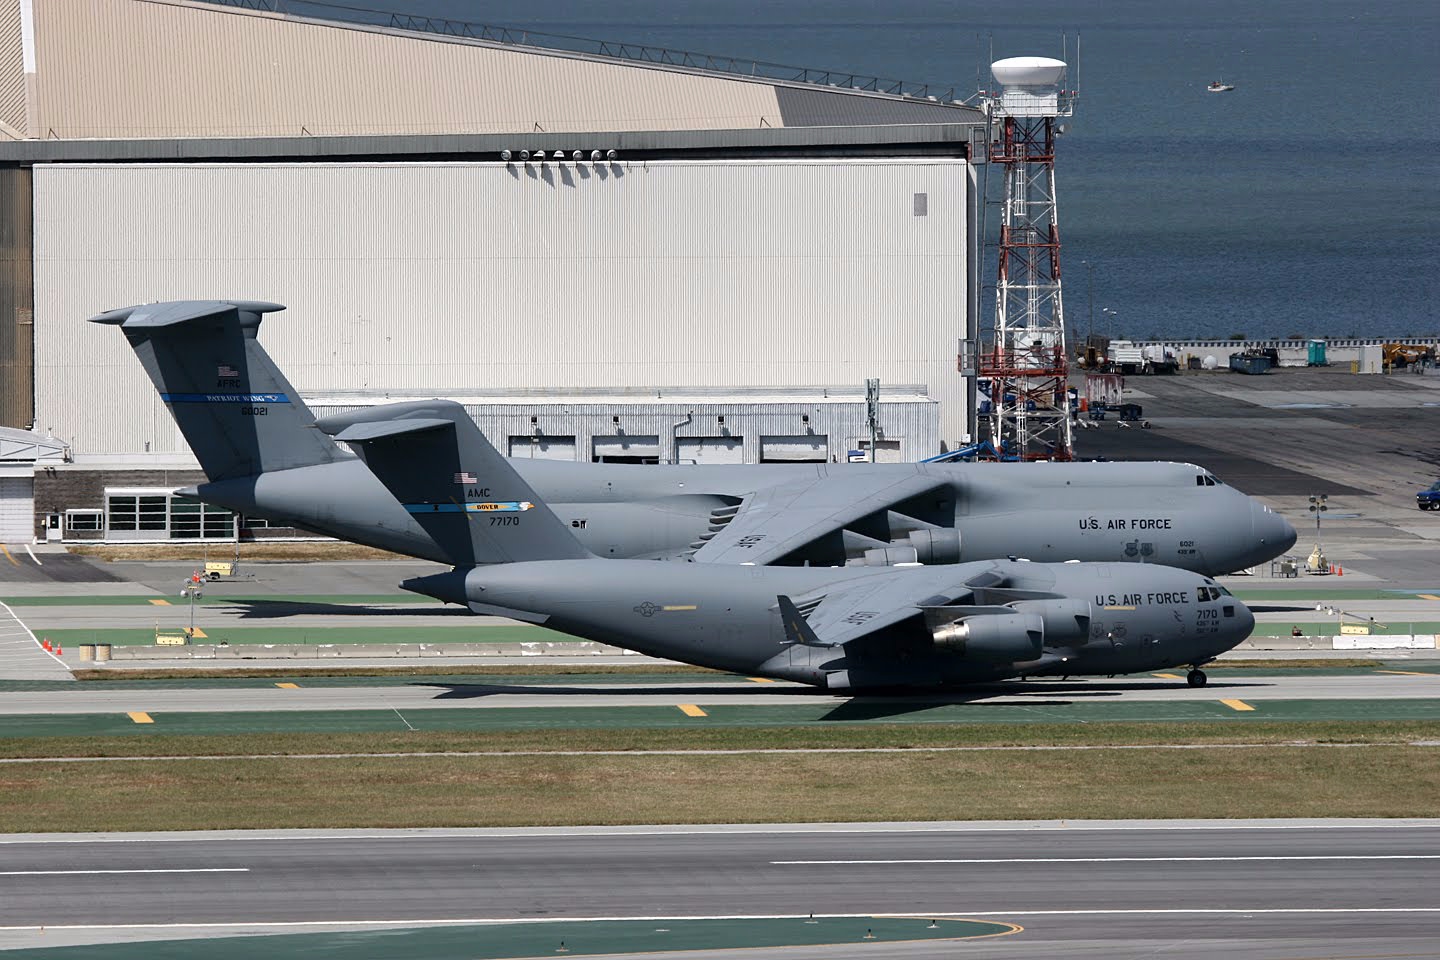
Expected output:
(848, 508)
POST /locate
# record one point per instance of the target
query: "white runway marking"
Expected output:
(862, 863)
(86, 873)
(458, 921)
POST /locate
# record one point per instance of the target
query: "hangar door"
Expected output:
(806, 448)
(710, 449)
(542, 448)
(17, 509)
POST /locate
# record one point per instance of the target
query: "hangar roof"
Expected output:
(177, 69)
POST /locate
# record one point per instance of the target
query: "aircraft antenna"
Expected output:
(1023, 369)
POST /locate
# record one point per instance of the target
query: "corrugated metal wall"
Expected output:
(128, 68)
(17, 329)
(661, 429)
(471, 279)
(12, 71)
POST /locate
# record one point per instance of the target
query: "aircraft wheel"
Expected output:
(1196, 678)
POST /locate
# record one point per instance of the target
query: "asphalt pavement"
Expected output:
(1208, 888)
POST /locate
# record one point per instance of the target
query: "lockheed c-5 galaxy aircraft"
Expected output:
(840, 628)
(264, 455)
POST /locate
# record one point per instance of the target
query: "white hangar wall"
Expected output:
(451, 279)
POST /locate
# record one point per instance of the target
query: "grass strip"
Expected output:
(474, 672)
(1276, 781)
(879, 735)
(308, 636)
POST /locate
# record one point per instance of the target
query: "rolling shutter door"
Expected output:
(17, 509)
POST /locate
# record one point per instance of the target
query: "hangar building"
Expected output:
(707, 263)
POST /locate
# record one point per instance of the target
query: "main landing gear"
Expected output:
(1196, 677)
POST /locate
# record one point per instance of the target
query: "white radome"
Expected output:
(1028, 71)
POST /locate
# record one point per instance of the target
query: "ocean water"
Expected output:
(1303, 203)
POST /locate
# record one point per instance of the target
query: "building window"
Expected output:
(191, 520)
(87, 521)
(134, 513)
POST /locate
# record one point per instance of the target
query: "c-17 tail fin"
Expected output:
(237, 411)
(433, 458)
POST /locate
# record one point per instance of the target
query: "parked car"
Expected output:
(1429, 499)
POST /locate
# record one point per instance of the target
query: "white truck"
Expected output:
(1126, 357)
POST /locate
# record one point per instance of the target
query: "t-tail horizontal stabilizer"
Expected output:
(436, 462)
(237, 411)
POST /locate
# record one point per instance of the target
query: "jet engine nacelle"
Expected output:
(1066, 620)
(936, 546)
(993, 637)
(886, 557)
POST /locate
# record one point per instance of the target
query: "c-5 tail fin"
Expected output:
(433, 458)
(237, 411)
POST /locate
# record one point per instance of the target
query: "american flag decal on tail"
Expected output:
(225, 370)
(465, 478)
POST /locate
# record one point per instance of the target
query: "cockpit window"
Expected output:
(1205, 480)
(1224, 592)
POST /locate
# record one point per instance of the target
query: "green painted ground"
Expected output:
(1329, 628)
(118, 681)
(1312, 592)
(216, 596)
(383, 720)
(145, 636)
(513, 940)
(62, 687)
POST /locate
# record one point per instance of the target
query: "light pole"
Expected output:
(1109, 316)
(1316, 563)
(1090, 292)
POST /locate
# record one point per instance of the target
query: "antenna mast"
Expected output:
(1023, 369)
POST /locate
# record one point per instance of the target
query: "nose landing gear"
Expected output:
(1196, 677)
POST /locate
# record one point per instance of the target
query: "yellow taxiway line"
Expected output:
(1168, 676)
(161, 603)
(1407, 673)
(1240, 705)
(139, 716)
(690, 710)
(761, 680)
(8, 555)
(288, 686)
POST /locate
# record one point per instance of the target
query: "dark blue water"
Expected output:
(1305, 202)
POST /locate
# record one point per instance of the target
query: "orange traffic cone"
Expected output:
(1339, 571)
(59, 650)
(46, 644)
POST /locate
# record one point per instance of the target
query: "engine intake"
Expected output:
(936, 546)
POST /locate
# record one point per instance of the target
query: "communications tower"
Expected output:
(1024, 361)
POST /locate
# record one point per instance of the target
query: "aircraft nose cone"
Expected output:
(1273, 533)
(1244, 623)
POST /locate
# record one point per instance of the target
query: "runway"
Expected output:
(439, 694)
(1208, 888)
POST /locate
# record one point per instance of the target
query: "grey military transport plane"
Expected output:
(264, 455)
(846, 627)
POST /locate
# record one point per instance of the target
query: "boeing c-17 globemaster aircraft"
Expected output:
(265, 456)
(841, 628)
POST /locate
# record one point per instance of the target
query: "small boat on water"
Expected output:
(1220, 87)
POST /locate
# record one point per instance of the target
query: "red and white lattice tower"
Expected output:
(1025, 363)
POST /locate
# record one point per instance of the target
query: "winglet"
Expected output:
(797, 631)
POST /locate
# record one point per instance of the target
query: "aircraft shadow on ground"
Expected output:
(277, 609)
(463, 691)
(896, 702)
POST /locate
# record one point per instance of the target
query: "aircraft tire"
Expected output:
(1196, 678)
